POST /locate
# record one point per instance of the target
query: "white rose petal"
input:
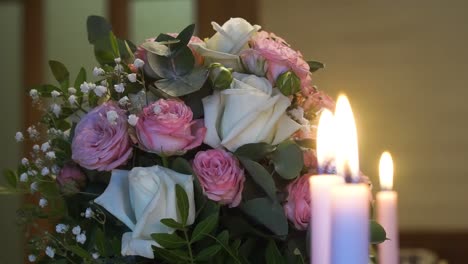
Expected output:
(132, 120)
(100, 90)
(132, 77)
(76, 230)
(145, 195)
(50, 251)
(19, 137)
(138, 63)
(43, 202)
(120, 88)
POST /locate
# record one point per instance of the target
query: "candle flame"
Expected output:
(325, 139)
(347, 157)
(386, 171)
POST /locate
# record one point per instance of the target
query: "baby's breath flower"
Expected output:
(72, 90)
(45, 171)
(34, 187)
(50, 251)
(25, 161)
(117, 60)
(89, 213)
(76, 230)
(39, 162)
(112, 117)
(32, 258)
(72, 99)
(61, 228)
(124, 101)
(45, 146)
(36, 148)
(55, 94)
(84, 87)
(95, 255)
(104, 83)
(132, 77)
(34, 94)
(19, 137)
(24, 177)
(32, 172)
(56, 109)
(132, 120)
(100, 90)
(98, 71)
(119, 68)
(138, 63)
(120, 88)
(43, 202)
(50, 155)
(33, 133)
(81, 238)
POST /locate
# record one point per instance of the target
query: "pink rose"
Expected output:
(310, 160)
(220, 176)
(101, 140)
(318, 100)
(167, 127)
(282, 58)
(297, 207)
(71, 174)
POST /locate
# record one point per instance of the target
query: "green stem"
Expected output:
(165, 161)
(189, 245)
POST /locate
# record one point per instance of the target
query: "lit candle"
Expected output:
(350, 202)
(320, 191)
(387, 200)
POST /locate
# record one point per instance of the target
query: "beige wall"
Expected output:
(404, 65)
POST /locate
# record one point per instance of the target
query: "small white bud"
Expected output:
(50, 155)
(72, 90)
(98, 71)
(19, 137)
(25, 161)
(89, 213)
(43, 202)
(76, 230)
(120, 88)
(138, 63)
(50, 251)
(112, 117)
(56, 109)
(34, 187)
(84, 87)
(95, 255)
(55, 94)
(34, 94)
(104, 83)
(72, 99)
(100, 90)
(45, 147)
(36, 148)
(45, 171)
(61, 228)
(132, 120)
(119, 68)
(81, 238)
(124, 101)
(32, 258)
(118, 60)
(132, 77)
(24, 177)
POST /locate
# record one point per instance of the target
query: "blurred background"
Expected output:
(403, 64)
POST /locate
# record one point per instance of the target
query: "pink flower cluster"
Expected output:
(220, 176)
(99, 144)
(281, 58)
(167, 127)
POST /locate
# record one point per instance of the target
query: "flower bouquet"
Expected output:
(179, 150)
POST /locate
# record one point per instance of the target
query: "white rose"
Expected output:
(251, 111)
(226, 44)
(140, 198)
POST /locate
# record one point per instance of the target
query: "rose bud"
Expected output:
(297, 207)
(220, 76)
(71, 178)
(288, 83)
(254, 62)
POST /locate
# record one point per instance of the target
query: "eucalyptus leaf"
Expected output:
(288, 160)
(182, 203)
(269, 214)
(169, 241)
(185, 84)
(315, 66)
(254, 151)
(166, 38)
(185, 35)
(156, 48)
(204, 227)
(260, 176)
(272, 254)
(98, 27)
(377, 233)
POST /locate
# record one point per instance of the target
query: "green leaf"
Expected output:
(288, 83)
(80, 78)
(260, 176)
(169, 241)
(208, 252)
(169, 222)
(288, 160)
(114, 45)
(166, 38)
(184, 84)
(185, 35)
(11, 178)
(377, 233)
(254, 151)
(272, 254)
(98, 27)
(182, 203)
(79, 251)
(269, 214)
(60, 72)
(103, 51)
(181, 165)
(204, 227)
(223, 238)
(315, 65)
(100, 242)
(171, 256)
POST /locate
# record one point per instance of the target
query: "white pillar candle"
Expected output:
(387, 216)
(320, 191)
(350, 202)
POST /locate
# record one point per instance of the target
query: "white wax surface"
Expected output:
(350, 224)
(321, 218)
(387, 216)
